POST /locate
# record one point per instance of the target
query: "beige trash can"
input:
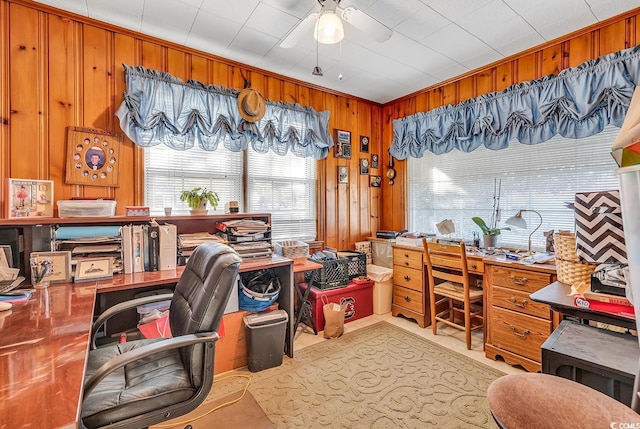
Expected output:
(382, 288)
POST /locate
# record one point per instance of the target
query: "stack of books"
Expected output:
(251, 238)
(606, 303)
(187, 243)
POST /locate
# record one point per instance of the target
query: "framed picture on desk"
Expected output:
(60, 265)
(91, 269)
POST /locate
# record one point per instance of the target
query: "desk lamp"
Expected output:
(519, 222)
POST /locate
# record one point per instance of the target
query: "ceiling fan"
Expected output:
(326, 25)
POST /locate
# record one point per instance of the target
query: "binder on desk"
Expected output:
(127, 249)
(137, 246)
(168, 244)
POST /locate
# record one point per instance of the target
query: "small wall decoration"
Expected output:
(93, 157)
(343, 174)
(375, 181)
(342, 144)
(91, 269)
(374, 160)
(30, 198)
(364, 144)
(61, 265)
(364, 166)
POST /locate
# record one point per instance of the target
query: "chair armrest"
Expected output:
(120, 307)
(146, 350)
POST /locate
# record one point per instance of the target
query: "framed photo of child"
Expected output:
(93, 157)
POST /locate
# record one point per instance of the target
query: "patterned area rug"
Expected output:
(377, 377)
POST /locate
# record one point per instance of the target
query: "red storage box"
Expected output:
(357, 297)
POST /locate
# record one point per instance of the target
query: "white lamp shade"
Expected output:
(517, 221)
(328, 28)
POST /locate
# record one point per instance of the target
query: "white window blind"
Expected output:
(542, 177)
(168, 172)
(285, 187)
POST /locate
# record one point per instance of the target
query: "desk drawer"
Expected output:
(519, 333)
(407, 277)
(473, 265)
(408, 258)
(408, 298)
(525, 281)
(520, 302)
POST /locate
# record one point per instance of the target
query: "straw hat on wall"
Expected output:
(251, 105)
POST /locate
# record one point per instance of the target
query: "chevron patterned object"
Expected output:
(599, 234)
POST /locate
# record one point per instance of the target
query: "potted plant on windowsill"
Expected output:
(490, 235)
(197, 199)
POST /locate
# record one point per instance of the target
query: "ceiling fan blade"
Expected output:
(305, 27)
(365, 23)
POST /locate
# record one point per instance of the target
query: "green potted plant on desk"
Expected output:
(197, 199)
(489, 235)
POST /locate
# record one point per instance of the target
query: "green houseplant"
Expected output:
(489, 233)
(197, 199)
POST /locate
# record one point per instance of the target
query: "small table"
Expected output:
(303, 312)
(556, 295)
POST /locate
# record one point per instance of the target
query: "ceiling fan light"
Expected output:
(329, 28)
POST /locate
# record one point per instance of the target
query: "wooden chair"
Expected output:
(451, 297)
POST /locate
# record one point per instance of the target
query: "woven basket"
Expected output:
(568, 267)
(291, 249)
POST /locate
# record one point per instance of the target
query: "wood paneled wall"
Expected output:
(58, 70)
(569, 51)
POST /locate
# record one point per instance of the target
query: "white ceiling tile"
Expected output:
(604, 9)
(457, 44)
(235, 10)
(453, 10)
(253, 41)
(194, 3)
(552, 18)
(392, 13)
(297, 8)
(124, 13)
(170, 13)
(217, 30)
(162, 31)
(270, 20)
(79, 6)
(423, 23)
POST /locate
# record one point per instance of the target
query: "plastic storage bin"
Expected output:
(382, 288)
(357, 297)
(265, 339)
(630, 204)
(86, 208)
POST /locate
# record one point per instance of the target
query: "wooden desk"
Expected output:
(44, 342)
(556, 295)
(43, 347)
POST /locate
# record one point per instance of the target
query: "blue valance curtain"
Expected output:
(576, 103)
(159, 108)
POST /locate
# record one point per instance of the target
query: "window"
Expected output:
(281, 185)
(543, 177)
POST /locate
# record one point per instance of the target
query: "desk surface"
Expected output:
(43, 348)
(44, 343)
(556, 295)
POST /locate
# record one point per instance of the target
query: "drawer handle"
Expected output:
(520, 304)
(406, 298)
(521, 282)
(524, 333)
(406, 255)
(407, 278)
(474, 266)
(406, 263)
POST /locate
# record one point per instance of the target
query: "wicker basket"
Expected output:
(291, 249)
(568, 267)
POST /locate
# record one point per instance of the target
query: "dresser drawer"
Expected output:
(408, 258)
(526, 281)
(408, 298)
(518, 333)
(519, 301)
(407, 277)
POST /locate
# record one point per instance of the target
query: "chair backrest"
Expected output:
(446, 262)
(200, 298)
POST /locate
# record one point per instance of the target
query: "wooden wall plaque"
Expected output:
(93, 157)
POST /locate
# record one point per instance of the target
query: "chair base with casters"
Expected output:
(145, 382)
(453, 301)
(540, 401)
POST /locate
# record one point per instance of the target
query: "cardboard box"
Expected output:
(357, 297)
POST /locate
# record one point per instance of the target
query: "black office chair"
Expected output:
(140, 383)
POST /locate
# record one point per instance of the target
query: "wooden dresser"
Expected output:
(516, 326)
(409, 291)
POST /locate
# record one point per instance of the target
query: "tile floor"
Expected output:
(447, 336)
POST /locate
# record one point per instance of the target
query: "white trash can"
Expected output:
(382, 288)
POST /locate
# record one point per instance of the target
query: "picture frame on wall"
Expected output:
(60, 265)
(364, 144)
(29, 198)
(93, 157)
(342, 144)
(375, 181)
(364, 166)
(91, 269)
(343, 174)
(374, 160)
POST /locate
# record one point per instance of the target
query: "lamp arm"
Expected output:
(536, 228)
